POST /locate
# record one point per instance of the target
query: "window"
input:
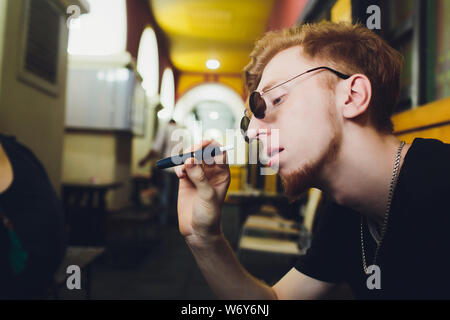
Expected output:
(439, 58)
(42, 42)
(167, 94)
(398, 29)
(148, 63)
(103, 31)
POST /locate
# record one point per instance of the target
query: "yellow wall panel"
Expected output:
(270, 183)
(235, 183)
(189, 80)
(234, 82)
(429, 121)
(342, 11)
(429, 114)
(441, 133)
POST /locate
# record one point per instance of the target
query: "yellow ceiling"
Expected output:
(199, 30)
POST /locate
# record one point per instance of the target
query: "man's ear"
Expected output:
(358, 93)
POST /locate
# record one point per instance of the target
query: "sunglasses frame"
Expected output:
(245, 121)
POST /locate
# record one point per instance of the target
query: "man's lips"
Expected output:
(274, 154)
(273, 151)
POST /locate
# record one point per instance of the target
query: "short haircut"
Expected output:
(350, 48)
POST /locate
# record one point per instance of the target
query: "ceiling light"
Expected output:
(212, 64)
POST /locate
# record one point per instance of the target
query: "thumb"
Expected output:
(198, 178)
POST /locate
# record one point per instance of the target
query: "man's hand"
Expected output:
(202, 190)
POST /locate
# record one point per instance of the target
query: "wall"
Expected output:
(139, 16)
(285, 13)
(99, 155)
(141, 145)
(102, 156)
(35, 118)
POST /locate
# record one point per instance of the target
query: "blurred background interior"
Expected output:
(86, 84)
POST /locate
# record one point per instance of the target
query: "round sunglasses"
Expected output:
(258, 105)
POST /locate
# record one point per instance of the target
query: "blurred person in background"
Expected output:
(167, 181)
(32, 232)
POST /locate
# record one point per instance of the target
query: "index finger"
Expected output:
(198, 146)
(181, 170)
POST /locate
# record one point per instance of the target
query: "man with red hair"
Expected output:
(329, 90)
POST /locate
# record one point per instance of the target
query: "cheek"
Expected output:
(306, 116)
(309, 122)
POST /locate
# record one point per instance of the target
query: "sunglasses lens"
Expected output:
(245, 121)
(257, 105)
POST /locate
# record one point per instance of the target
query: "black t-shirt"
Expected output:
(35, 211)
(414, 258)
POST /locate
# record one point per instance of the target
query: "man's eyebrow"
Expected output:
(270, 85)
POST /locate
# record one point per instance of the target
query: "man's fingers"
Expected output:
(198, 177)
(180, 171)
(220, 159)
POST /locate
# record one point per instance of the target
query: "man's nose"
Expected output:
(256, 127)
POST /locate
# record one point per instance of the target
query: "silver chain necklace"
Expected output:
(386, 214)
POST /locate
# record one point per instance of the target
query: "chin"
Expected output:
(297, 181)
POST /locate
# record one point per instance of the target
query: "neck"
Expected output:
(360, 175)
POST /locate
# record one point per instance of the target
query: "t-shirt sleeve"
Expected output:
(325, 258)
